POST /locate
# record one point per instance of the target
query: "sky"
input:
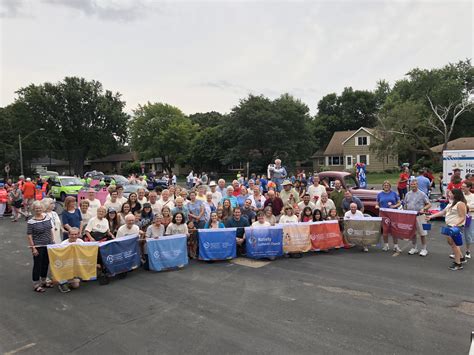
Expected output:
(206, 56)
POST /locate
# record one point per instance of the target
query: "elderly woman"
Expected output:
(40, 234)
(166, 200)
(98, 227)
(85, 213)
(196, 211)
(388, 199)
(71, 216)
(180, 207)
(141, 199)
(48, 205)
(288, 215)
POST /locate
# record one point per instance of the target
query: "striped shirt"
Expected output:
(40, 230)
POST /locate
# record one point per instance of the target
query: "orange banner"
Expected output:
(325, 235)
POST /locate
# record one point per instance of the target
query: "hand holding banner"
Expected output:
(217, 244)
(399, 223)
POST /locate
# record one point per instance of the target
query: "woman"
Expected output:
(454, 216)
(388, 199)
(269, 217)
(124, 211)
(402, 184)
(469, 229)
(178, 225)
(166, 213)
(214, 222)
(71, 217)
(48, 205)
(156, 229)
(135, 206)
(261, 222)
(227, 210)
(288, 215)
(306, 215)
(242, 196)
(317, 216)
(325, 204)
(196, 210)
(16, 198)
(210, 205)
(299, 190)
(220, 214)
(40, 234)
(146, 218)
(85, 213)
(114, 220)
(332, 216)
(98, 227)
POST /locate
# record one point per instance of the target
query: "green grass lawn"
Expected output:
(379, 178)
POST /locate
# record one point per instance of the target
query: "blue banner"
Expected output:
(217, 244)
(167, 252)
(264, 242)
(120, 255)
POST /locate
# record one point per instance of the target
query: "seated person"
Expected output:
(239, 222)
(73, 237)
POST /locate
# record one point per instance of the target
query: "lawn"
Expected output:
(379, 178)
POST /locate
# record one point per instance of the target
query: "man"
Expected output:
(73, 238)
(153, 201)
(353, 212)
(129, 228)
(190, 179)
(337, 196)
(221, 187)
(204, 178)
(94, 203)
(258, 200)
(28, 190)
(289, 195)
(325, 204)
(230, 196)
(424, 184)
(247, 211)
(306, 203)
(113, 202)
(239, 222)
(180, 207)
(316, 189)
(216, 195)
(415, 200)
(468, 230)
(278, 174)
(274, 202)
(348, 199)
(166, 200)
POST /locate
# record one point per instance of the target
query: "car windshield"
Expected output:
(350, 182)
(71, 181)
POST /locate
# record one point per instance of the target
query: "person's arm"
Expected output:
(361, 205)
(377, 203)
(462, 211)
(396, 205)
(427, 205)
(31, 244)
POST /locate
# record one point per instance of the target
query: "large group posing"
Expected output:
(255, 201)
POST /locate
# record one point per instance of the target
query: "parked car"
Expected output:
(63, 186)
(128, 189)
(153, 183)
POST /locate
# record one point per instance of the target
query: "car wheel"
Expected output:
(62, 196)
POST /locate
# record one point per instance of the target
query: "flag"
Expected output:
(167, 252)
(363, 232)
(217, 244)
(398, 223)
(73, 261)
(325, 235)
(296, 237)
(264, 242)
(120, 255)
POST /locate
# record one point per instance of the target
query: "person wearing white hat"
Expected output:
(288, 195)
(216, 195)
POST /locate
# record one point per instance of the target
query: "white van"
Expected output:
(460, 159)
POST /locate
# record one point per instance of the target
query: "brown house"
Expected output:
(347, 148)
(466, 143)
(113, 163)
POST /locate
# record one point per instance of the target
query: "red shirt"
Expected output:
(403, 185)
(28, 190)
(452, 185)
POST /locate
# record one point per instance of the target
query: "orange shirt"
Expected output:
(28, 190)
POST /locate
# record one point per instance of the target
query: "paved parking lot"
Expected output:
(343, 302)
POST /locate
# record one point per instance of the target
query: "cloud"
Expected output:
(11, 8)
(112, 10)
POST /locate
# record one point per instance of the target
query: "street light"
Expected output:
(21, 151)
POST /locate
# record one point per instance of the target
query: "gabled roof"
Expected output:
(129, 156)
(457, 144)
(368, 130)
(335, 144)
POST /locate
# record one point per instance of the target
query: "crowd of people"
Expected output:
(255, 201)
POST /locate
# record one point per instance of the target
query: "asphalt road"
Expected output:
(344, 302)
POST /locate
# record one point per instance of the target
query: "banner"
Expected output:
(120, 255)
(264, 242)
(296, 238)
(398, 223)
(73, 260)
(363, 232)
(167, 252)
(217, 244)
(325, 235)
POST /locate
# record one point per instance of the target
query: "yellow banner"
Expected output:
(296, 238)
(73, 260)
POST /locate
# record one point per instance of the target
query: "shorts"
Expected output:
(469, 234)
(17, 204)
(420, 220)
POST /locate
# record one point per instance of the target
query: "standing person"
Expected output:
(141, 199)
(388, 199)
(135, 206)
(316, 189)
(94, 203)
(288, 195)
(424, 184)
(71, 217)
(216, 195)
(247, 210)
(337, 196)
(325, 204)
(196, 211)
(278, 174)
(40, 234)
(455, 216)
(3, 199)
(85, 213)
(258, 200)
(114, 202)
(180, 207)
(16, 197)
(415, 200)
(166, 199)
(221, 187)
(275, 203)
(129, 228)
(48, 206)
(402, 184)
(190, 180)
(214, 222)
(230, 196)
(154, 203)
(174, 179)
(468, 229)
(28, 190)
(114, 220)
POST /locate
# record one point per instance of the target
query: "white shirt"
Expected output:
(169, 203)
(288, 219)
(78, 241)
(470, 203)
(142, 201)
(329, 205)
(155, 207)
(310, 204)
(117, 205)
(258, 224)
(260, 199)
(216, 198)
(97, 225)
(316, 191)
(123, 231)
(357, 215)
(93, 206)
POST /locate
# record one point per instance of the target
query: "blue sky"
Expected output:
(203, 56)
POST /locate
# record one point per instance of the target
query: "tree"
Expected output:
(161, 130)
(78, 116)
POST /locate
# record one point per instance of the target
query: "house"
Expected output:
(113, 163)
(466, 143)
(347, 148)
(48, 163)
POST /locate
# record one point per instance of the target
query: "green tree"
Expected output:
(78, 116)
(161, 130)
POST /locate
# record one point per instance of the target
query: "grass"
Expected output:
(379, 178)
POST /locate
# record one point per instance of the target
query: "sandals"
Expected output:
(39, 289)
(47, 284)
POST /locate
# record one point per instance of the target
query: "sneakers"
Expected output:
(463, 259)
(456, 267)
(365, 250)
(468, 255)
(386, 247)
(413, 251)
(64, 288)
(397, 249)
(424, 252)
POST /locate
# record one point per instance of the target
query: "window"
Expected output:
(363, 159)
(349, 160)
(335, 160)
(362, 141)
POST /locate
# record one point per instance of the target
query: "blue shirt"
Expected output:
(195, 208)
(221, 225)
(233, 201)
(240, 225)
(423, 184)
(72, 219)
(384, 198)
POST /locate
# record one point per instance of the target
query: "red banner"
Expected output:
(398, 223)
(325, 235)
